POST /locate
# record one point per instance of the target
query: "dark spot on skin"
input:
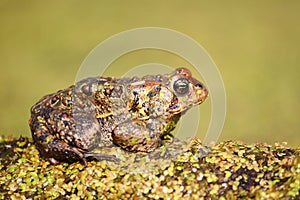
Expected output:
(159, 78)
(42, 137)
(47, 111)
(54, 100)
(154, 91)
(174, 103)
(107, 92)
(65, 123)
(136, 97)
(86, 89)
(69, 92)
(135, 102)
(66, 102)
(64, 115)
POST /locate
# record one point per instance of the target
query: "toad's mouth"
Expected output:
(200, 98)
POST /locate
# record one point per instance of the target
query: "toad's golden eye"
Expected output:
(181, 86)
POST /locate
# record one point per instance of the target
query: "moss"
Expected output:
(227, 170)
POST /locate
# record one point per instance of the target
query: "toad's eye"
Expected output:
(181, 86)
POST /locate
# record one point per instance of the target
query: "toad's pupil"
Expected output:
(181, 86)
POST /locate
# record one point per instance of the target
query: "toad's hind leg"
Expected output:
(56, 150)
(136, 136)
(53, 149)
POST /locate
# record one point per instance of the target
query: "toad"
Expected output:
(132, 113)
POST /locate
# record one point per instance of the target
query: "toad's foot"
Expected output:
(99, 157)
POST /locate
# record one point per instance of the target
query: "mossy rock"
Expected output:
(227, 170)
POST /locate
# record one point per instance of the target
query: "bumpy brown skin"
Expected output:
(133, 113)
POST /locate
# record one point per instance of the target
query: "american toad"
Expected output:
(133, 113)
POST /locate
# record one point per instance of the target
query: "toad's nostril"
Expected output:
(199, 85)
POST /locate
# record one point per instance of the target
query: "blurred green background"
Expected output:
(255, 44)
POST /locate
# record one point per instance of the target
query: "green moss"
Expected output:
(227, 170)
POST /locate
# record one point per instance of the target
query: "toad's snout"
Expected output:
(201, 90)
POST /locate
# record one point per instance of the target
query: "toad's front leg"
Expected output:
(138, 136)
